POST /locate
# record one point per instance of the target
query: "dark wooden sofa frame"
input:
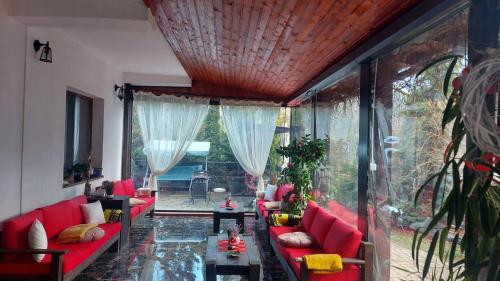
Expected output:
(365, 262)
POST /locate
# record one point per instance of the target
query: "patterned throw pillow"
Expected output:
(296, 240)
(74, 233)
(112, 215)
(93, 234)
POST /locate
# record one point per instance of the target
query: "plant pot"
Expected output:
(77, 177)
(97, 172)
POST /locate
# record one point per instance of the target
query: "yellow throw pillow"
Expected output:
(74, 233)
(112, 215)
(135, 201)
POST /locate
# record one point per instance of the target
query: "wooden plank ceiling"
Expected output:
(267, 48)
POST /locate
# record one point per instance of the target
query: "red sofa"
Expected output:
(261, 213)
(332, 236)
(137, 212)
(62, 261)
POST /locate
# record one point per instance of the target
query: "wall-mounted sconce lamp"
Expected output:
(46, 55)
(120, 91)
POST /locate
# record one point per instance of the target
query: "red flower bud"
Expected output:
(491, 90)
(466, 71)
(456, 83)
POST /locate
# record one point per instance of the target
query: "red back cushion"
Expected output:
(118, 188)
(321, 225)
(128, 187)
(309, 213)
(76, 209)
(342, 239)
(57, 217)
(15, 232)
(282, 191)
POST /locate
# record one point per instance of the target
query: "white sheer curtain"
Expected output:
(250, 129)
(168, 126)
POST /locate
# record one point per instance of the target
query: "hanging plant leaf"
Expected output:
(447, 77)
(415, 235)
(442, 243)
(430, 255)
(436, 61)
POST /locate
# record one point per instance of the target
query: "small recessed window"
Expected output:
(82, 153)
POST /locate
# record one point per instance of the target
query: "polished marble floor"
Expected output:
(172, 248)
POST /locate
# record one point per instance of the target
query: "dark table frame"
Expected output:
(222, 213)
(218, 263)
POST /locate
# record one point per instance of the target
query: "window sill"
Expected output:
(82, 181)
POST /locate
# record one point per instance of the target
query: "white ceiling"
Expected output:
(120, 32)
(132, 51)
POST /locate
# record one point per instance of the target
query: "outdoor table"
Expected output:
(219, 263)
(222, 213)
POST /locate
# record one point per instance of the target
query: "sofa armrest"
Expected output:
(366, 263)
(56, 261)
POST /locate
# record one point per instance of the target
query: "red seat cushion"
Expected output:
(118, 188)
(76, 209)
(350, 273)
(309, 214)
(128, 187)
(321, 225)
(342, 239)
(78, 252)
(134, 211)
(15, 232)
(282, 191)
(57, 217)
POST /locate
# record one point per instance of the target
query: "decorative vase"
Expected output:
(77, 177)
(88, 189)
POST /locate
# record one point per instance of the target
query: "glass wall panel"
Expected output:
(407, 142)
(302, 120)
(337, 119)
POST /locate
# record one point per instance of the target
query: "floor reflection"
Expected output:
(171, 248)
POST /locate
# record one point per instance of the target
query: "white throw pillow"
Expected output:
(93, 213)
(270, 192)
(37, 239)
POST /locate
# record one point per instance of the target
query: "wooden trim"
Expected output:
(128, 103)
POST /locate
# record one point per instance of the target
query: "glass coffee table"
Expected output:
(218, 262)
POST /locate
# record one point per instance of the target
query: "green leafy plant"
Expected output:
(471, 207)
(305, 157)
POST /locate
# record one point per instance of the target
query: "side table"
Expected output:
(222, 213)
(118, 202)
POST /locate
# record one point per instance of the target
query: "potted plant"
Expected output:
(305, 157)
(470, 211)
(78, 171)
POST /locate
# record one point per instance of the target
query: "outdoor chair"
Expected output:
(198, 187)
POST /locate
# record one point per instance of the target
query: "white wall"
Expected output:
(12, 58)
(32, 145)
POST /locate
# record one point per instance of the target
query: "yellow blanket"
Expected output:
(323, 263)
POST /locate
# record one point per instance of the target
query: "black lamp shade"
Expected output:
(46, 55)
